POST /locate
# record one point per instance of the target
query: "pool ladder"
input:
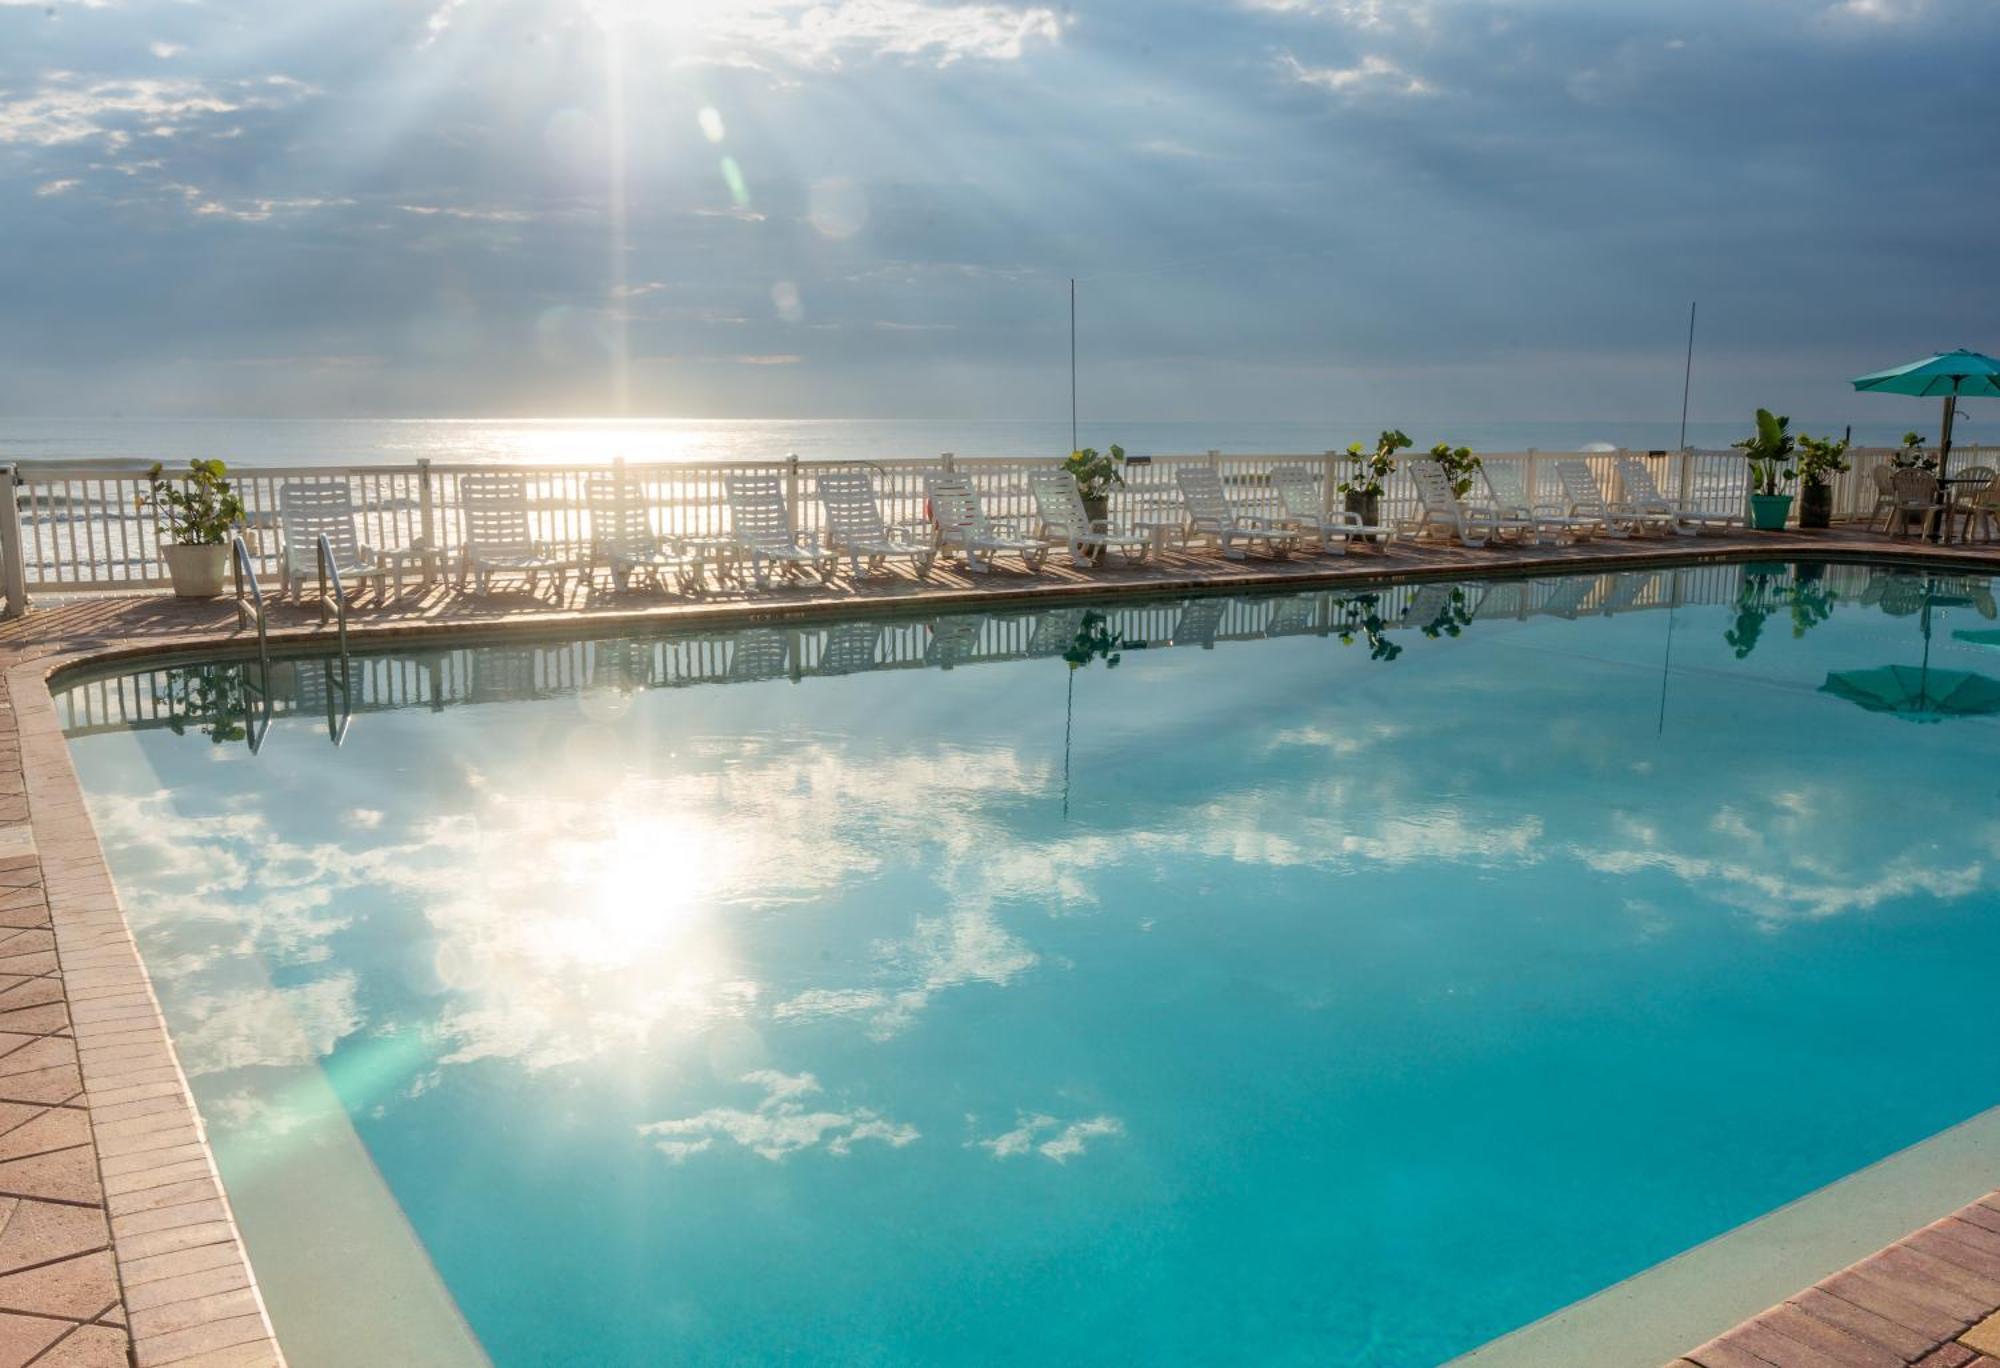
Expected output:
(250, 610)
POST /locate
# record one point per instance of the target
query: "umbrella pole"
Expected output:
(1944, 434)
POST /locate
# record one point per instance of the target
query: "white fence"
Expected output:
(80, 527)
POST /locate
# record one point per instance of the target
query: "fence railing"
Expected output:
(81, 527)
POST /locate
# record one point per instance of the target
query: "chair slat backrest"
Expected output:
(1059, 503)
(493, 508)
(1638, 483)
(1580, 489)
(1298, 491)
(619, 524)
(954, 503)
(848, 500)
(311, 509)
(1915, 486)
(1201, 488)
(1433, 487)
(1505, 484)
(757, 513)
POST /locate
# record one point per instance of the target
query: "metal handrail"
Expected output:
(250, 608)
(250, 599)
(329, 575)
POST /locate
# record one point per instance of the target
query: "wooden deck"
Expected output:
(1931, 1299)
(117, 1244)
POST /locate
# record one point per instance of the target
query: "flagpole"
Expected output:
(1072, 364)
(1687, 378)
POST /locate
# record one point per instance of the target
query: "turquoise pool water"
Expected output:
(1265, 997)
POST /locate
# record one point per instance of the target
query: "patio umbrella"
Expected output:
(1952, 375)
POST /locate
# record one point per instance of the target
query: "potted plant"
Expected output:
(1912, 456)
(1820, 459)
(1096, 476)
(1363, 488)
(201, 510)
(1771, 472)
(1459, 464)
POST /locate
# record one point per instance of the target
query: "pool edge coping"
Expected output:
(38, 668)
(98, 952)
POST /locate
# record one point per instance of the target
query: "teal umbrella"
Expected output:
(1952, 375)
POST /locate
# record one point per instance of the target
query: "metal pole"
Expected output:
(1072, 364)
(1687, 378)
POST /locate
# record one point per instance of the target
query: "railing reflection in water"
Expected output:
(217, 700)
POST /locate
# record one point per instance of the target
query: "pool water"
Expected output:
(1330, 979)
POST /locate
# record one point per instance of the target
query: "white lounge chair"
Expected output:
(954, 639)
(1439, 509)
(499, 533)
(1583, 498)
(1299, 504)
(622, 538)
(854, 526)
(1643, 494)
(1065, 521)
(963, 527)
(1211, 515)
(1508, 494)
(760, 526)
(309, 510)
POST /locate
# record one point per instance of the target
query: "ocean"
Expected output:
(377, 441)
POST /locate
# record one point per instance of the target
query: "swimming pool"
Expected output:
(1328, 978)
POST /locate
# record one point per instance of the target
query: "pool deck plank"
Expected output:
(117, 1243)
(1931, 1299)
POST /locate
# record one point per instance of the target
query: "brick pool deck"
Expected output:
(117, 1244)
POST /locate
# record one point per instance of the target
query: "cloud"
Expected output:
(1373, 75)
(780, 1125)
(1050, 1138)
(1355, 14)
(810, 34)
(68, 108)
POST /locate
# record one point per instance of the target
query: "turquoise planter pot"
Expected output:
(1769, 511)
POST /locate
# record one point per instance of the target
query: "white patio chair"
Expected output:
(1507, 493)
(1972, 503)
(1211, 515)
(1642, 493)
(1299, 504)
(1583, 498)
(1916, 499)
(309, 510)
(622, 538)
(963, 527)
(1439, 509)
(1066, 522)
(854, 526)
(760, 527)
(1885, 494)
(499, 534)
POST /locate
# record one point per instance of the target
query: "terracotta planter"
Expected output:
(197, 571)
(1769, 511)
(1816, 505)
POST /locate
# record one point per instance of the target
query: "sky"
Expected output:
(1278, 209)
